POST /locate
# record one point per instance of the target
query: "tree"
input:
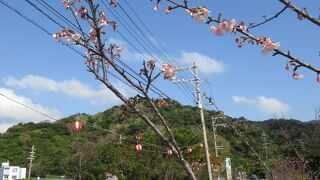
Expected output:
(100, 61)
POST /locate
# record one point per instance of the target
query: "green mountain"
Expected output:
(286, 146)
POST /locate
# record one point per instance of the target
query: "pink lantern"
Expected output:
(138, 148)
(77, 125)
(189, 150)
(169, 152)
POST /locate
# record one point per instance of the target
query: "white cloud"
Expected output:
(206, 64)
(241, 99)
(266, 105)
(13, 112)
(72, 88)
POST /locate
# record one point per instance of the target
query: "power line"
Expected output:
(153, 88)
(152, 45)
(27, 106)
(160, 45)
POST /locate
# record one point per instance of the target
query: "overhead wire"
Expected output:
(153, 88)
(166, 54)
(42, 28)
(37, 25)
(145, 39)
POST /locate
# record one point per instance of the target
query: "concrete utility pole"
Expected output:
(196, 81)
(265, 144)
(31, 158)
(214, 128)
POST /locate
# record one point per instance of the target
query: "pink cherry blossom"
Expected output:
(155, 8)
(83, 13)
(67, 3)
(103, 19)
(297, 76)
(318, 78)
(217, 30)
(168, 9)
(75, 36)
(229, 26)
(92, 34)
(56, 36)
(242, 26)
(200, 14)
(268, 45)
(168, 71)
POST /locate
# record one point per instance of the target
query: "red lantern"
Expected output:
(138, 136)
(189, 150)
(77, 125)
(169, 152)
(138, 148)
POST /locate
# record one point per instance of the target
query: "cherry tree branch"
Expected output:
(268, 19)
(256, 39)
(301, 13)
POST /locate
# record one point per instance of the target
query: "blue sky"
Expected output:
(50, 77)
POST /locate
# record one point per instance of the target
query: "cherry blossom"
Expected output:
(217, 30)
(168, 71)
(117, 48)
(200, 14)
(67, 3)
(151, 64)
(103, 19)
(56, 36)
(93, 34)
(168, 9)
(83, 13)
(75, 37)
(156, 6)
(268, 45)
(242, 26)
(297, 76)
(318, 78)
(229, 26)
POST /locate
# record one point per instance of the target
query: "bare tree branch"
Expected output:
(269, 19)
(300, 12)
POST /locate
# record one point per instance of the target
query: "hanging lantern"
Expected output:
(201, 145)
(138, 148)
(189, 150)
(77, 125)
(138, 136)
(169, 152)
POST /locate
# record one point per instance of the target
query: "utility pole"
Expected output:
(264, 139)
(216, 147)
(214, 128)
(31, 158)
(196, 81)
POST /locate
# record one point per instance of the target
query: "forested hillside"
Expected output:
(97, 148)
